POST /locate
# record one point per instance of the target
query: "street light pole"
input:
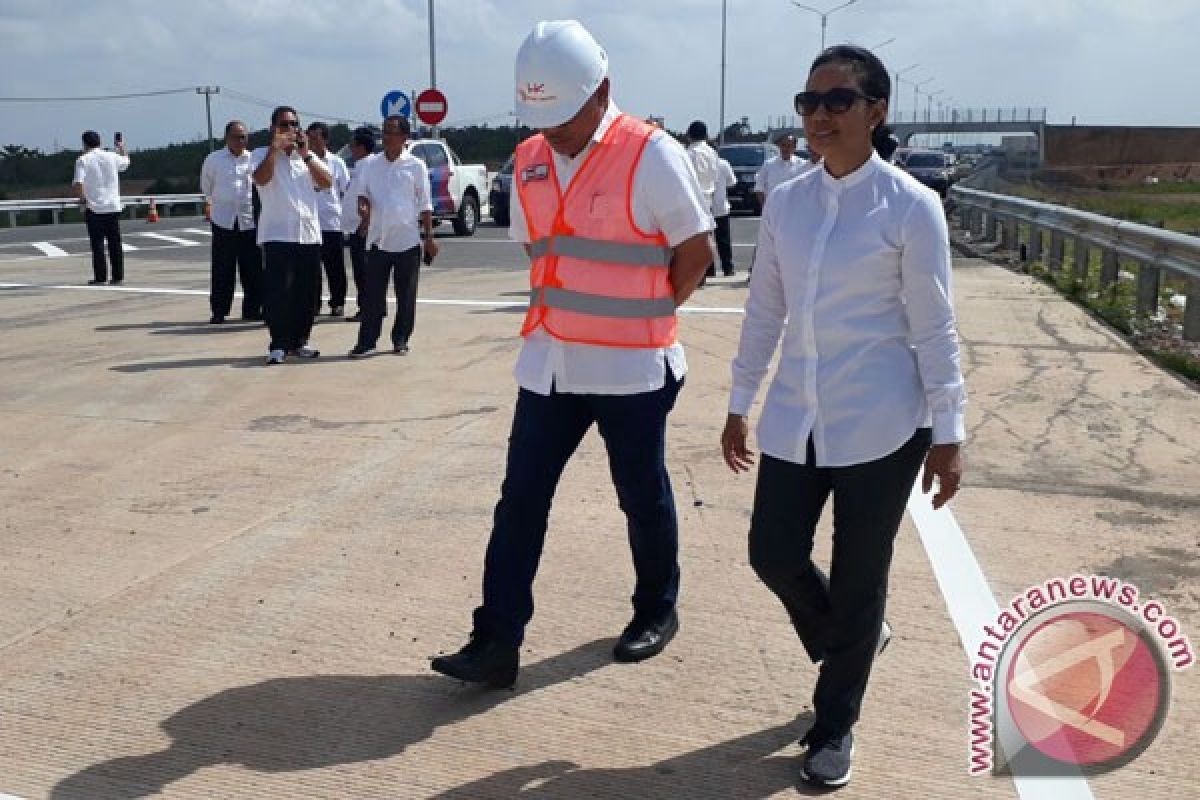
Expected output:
(896, 88)
(884, 43)
(724, 17)
(824, 15)
(432, 61)
(208, 92)
(916, 96)
(929, 104)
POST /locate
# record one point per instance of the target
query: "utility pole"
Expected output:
(896, 91)
(824, 15)
(208, 92)
(432, 61)
(721, 136)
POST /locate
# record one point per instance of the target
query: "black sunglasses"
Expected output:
(288, 123)
(836, 101)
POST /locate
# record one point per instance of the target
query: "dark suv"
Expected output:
(930, 168)
(499, 192)
(746, 159)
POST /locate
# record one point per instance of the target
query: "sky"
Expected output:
(1120, 62)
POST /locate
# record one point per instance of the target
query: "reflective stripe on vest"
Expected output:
(601, 305)
(637, 255)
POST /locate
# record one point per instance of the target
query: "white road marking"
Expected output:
(128, 248)
(49, 249)
(429, 301)
(162, 237)
(972, 605)
(197, 231)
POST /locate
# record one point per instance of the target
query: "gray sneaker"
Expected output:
(275, 357)
(828, 759)
(304, 351)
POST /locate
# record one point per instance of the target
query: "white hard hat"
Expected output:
(559, 66)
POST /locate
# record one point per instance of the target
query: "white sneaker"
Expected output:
(885, 636)
(275, 357)
(304, 351)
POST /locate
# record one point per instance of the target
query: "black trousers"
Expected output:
(838, 618)
(358, 264)
(724, 244)
(289, 284)
(333, 258)
(234, 253)
(103, 228)
(380, 264)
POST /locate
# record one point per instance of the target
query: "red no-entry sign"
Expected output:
(431, 106)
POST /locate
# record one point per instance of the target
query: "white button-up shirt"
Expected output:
(777, 170)
(399, 192)
(289, 204)
(329, 201)
(855, 273)
(226, 183)
(726, 179)
(666, 198)
(350, 218)
(97, 170)
(704, 161)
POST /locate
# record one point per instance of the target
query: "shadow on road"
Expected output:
(301, 723)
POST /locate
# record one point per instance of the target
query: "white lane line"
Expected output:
(972, 605)
(197, 231)
(429, 301)
(162, 237)
(49, 249)
(128, 248)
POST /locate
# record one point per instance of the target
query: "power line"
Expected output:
(259, 101)
(131, 95)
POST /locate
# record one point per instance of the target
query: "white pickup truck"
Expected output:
(458, 189)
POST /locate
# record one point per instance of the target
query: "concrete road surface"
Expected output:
(223, 580)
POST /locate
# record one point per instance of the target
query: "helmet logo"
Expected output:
(535, 93)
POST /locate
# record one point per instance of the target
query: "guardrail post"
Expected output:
(56, 216)
(977, 222)
(989, 228)
(1109, 269)
(12, 219)
(1148, 279)
(1035, 243)
(1058, 249)
(1191, 312)
(1079, 264)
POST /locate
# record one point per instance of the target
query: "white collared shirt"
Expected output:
(226, 183)
(350, 218)
(856, 274)
(666, 199)
(704, 161)
(289, 204)
(329, 201)
(777, 170)
(726, 179)
(97, 170)
(399, 191)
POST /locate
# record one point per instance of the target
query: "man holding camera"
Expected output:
(289, 232)
(99, 192)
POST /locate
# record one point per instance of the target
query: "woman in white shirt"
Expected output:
(853, 269)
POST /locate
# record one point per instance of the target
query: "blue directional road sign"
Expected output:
(395, 102)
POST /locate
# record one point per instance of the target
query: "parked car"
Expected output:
(930, 168)
(458, 189)
(498, 196)
(746, 160)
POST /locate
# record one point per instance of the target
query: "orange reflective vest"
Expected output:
(596, 278)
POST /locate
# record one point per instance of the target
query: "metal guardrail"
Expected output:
(56, 205)
(997, 217)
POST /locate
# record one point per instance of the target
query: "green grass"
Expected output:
(1140, 205)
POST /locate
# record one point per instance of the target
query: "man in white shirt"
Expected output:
(289, 232)
(226, 183)
(704, 162)
(99, 191)
(775, 171)
(721, 210)
(567, 385)
(394, 199)
(362, 146)
(329, 212)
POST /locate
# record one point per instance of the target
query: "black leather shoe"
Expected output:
(642, 640)
(483, 661)
(216, 319)
(95, 282)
